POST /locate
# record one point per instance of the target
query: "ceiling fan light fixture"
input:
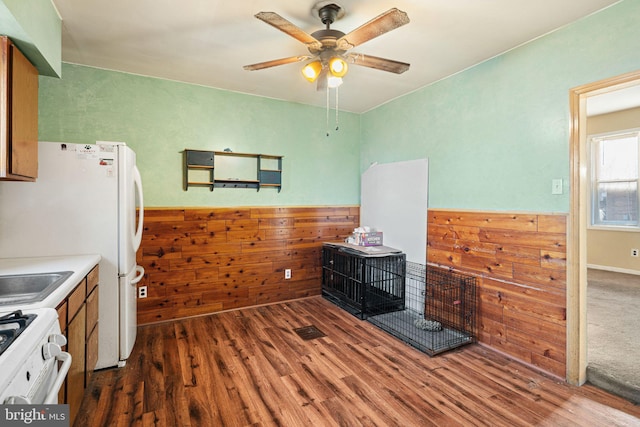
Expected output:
(312, 70)
(333, 81)
(338, 67)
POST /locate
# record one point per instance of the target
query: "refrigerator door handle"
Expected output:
(137, 179)
(139, 275)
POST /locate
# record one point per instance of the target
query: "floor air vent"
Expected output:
(309, 332)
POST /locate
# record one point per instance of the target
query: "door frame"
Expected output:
(578, 220)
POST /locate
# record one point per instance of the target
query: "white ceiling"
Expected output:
(207, 42)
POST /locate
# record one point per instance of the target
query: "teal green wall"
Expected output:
(498, 133)
(160, 118)
(495, 135)
(35, 27)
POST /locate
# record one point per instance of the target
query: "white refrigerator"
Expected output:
(84, 201)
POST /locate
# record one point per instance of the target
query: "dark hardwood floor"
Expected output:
(248, 368)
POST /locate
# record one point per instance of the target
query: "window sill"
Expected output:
(624, 228)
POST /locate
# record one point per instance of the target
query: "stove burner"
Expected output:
(11, 326)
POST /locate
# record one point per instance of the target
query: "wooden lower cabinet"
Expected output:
(78, 316)
(91, 334)
(76, 347)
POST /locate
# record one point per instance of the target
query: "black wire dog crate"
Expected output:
(440, 311)
(363, 281)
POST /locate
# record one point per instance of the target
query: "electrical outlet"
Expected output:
(287, 273)
(142, 292)
(635, 252)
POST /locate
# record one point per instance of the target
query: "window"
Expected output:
(614, 179)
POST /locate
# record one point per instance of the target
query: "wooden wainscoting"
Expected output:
(205, 260)
(520, 262)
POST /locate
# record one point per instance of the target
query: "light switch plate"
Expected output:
(556, 186)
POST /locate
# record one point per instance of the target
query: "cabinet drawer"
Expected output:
(92, 279)
(62, 317)
(76, 299)
(92, 311)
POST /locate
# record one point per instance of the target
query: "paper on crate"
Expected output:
(365, 236)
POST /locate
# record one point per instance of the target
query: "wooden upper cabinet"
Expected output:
(18, 114)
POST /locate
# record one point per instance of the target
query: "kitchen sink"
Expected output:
(30, 288)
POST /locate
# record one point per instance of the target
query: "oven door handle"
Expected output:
(52, 397)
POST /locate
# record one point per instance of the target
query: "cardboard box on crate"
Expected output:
(372, 238)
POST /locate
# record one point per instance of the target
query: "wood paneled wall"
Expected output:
(520, 262)
(204, 260)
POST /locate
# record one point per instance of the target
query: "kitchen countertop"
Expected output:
(81, 265)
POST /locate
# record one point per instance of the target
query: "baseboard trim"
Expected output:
(614, 269)
(527, 364)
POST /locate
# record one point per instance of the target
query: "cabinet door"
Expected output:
(62, 319)
(18, 114)
(92, 334)
(24, 116)
(76, 333)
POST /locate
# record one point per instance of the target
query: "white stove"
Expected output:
(32, 363)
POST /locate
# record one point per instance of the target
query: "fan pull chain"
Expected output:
(327, 124)
(337, 126)
(337, 110)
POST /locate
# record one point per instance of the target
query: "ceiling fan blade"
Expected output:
(287, 27)
(389, 20)
(378, 63)
(275, 62)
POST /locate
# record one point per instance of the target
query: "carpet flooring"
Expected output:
(613, 332)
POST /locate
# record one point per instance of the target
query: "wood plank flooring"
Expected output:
(249, 368)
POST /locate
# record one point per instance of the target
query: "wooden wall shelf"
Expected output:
(202, 160)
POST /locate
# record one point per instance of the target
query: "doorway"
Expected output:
(578, 219)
